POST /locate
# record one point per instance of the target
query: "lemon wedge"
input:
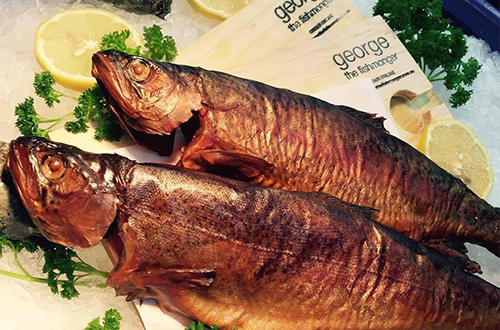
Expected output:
(65, 42)
(220, 9)
(453, 145)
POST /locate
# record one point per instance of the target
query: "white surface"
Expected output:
(154, 319)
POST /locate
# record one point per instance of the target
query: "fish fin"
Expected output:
(369, 118)
(232, 164)
(187, 278)
(364, 211)
(164, 285)
(494, 247)
(456, 251)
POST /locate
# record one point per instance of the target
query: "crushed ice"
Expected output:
(18, 22)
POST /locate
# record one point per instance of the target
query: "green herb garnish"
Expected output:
(111, 321)
(436, 45)
(64, 268)
(158, 46)
(91, 105)
(28, 120)
(116, 40)
(44, 88)
(197, 325)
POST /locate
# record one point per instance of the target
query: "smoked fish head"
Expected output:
(149, 98)
(69, 195)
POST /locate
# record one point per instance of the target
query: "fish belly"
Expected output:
(235, 255)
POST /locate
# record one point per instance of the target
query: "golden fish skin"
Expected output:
(236, 255)
(277, 138)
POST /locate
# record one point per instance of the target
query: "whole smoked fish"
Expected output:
(232, 254)
(277, 138)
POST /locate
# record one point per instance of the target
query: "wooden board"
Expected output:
(264, 27)
(366, 49)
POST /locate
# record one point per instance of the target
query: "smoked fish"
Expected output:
(240, 256)
(277, 138)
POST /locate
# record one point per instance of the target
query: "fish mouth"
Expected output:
(108, 69)
(21, 164)
(74, 209)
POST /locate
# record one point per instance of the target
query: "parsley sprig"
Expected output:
(43, 85)
(158, 47)
(117, 40)
(111, 321)
(435, 44)
(64, 268)
(198, 325)
(91, 104)
(28, 120)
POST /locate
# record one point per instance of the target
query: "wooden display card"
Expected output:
(263, 27)
(366, 49)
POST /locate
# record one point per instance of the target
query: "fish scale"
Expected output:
(264, 258)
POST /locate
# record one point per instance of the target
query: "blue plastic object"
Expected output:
(475, 17)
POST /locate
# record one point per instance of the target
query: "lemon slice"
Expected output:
(453, 145)
(220, 9)
(65, 42)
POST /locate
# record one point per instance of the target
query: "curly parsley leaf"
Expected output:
(59, 262)
(435, 44)
(109, 129)
(44, 88)
(92, 107)
(17, 246)
(28, 120)
(111, 321)
(198, 325)
(159, 47)
(64, 268)
(117, 40)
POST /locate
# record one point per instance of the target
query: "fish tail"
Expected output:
(493, 244)
(495, 247)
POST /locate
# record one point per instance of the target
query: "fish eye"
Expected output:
(53, 167)
(139, 70)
